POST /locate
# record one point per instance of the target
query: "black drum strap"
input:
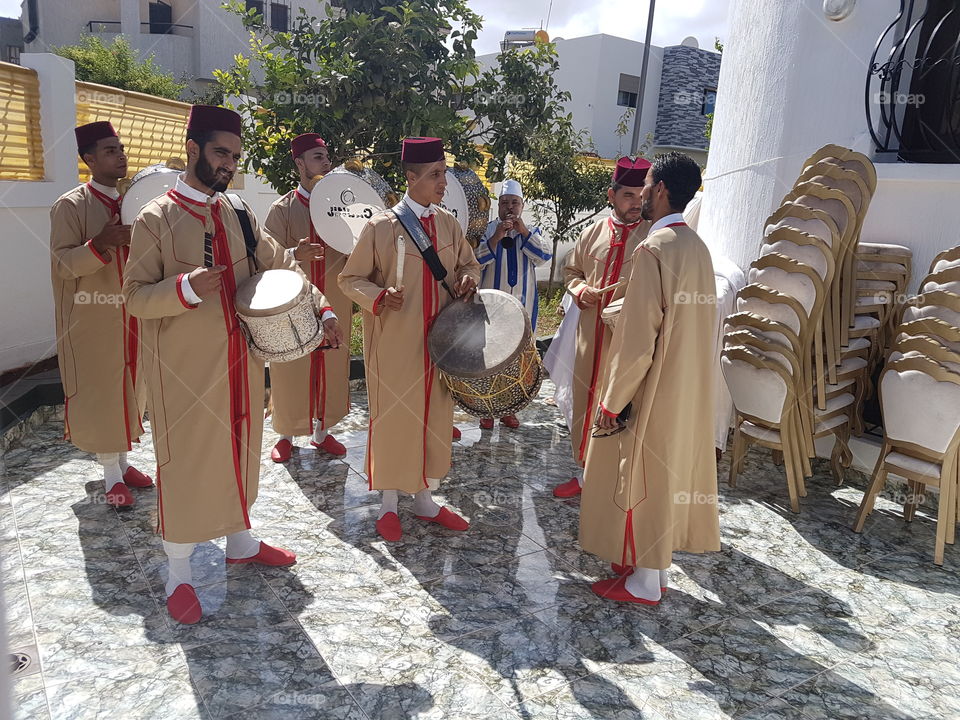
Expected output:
(420, 238)
(248, 238)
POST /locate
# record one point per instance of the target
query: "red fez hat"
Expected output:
(631, 173)
(301, 143)
(91, 132)
(422, 150)
(209, 118)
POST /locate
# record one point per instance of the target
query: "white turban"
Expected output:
(511, 187)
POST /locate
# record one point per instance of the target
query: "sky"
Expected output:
(673, 19)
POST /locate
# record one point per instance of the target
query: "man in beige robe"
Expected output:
(315, 387)
(601, 259)
(97, 340)
(411, 410)
(652, 488)
(187, 256)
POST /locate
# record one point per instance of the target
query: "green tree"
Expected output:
(117, 65)
(566, 188)
(371, 72)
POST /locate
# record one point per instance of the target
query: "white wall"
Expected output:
(27, 330)
(590, 69)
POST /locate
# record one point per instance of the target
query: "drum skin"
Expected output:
(149, 183)
(486, 354)
(344, 200)
(278, 313)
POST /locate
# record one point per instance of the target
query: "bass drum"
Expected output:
(468, 200)
(149, 183)
(344, 200)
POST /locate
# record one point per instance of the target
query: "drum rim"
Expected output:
(155, 169)
(246, 313)
(342, 170)
(527, 336)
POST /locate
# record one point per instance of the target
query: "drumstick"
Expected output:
(602, 290)
(401, 254)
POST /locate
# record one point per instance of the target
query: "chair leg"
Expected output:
(777, 457)
(791, 471)
(736, 453)
(914, 489)
(943, 514)
(857, 409)
(836, 457)
(877, 481)
(801, 462)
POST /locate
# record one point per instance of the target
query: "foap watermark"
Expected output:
(899, 98)
(499, 98)
(694, 498)
(98, 298)
(902, 496)
(95, 97)
(684, 97)
(300, 98)
(694, 298)
(298, 698)
(497, 498)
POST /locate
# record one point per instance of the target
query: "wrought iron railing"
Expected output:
(155, 28)
(912, 95)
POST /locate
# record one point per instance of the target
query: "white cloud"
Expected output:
(673, 19)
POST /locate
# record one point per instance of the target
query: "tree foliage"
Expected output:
(117, 65)
(371, 72)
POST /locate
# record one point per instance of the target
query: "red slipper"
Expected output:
(184, 605)
(134, 478)
(448, 519)
(267, 555)
(456, 433)
(571, 488)
(281, 451)
(331, 445)
(510, 421)
(615, 589)
(486, 423)
(388, 527)
(119, 496)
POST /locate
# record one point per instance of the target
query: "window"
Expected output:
(709, 101)
(161, 18)
(11, 54)
(256, 5)
(280, 16)
(628, 90)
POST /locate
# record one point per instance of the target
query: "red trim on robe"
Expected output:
(377, 307)
(180, 295)
(101, 258)
(607, 412)
(628, 541)
(430, 311)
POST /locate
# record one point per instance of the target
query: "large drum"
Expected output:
(279, 315)
(149, 183)
(486, 354)
(468, 200)
(342, 202)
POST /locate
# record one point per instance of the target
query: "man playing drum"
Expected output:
(509, 254)
(411, 410)
(97, 341)
(652, 489)
(315, 387)
(188, 253)
(595, 275)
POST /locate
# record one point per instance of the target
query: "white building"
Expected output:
(189, 38)
(602, 75)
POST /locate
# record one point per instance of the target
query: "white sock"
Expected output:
(242, 545)
(178, 565)
(644, 583)
(664, 579)
(123, 462)
(319, 434)
(388, 503)
(424, 505)
(111, 469)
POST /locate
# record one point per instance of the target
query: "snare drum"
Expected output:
(468, 200)
(611, 312)
(344, 200)
(486, 354)
(279, 315)
(149, 183)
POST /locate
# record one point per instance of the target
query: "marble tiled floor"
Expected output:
(796, 617)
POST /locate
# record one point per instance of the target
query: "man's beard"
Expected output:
(208, 176)
(646, 210)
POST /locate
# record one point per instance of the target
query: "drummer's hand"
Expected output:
(393, 300)
(588, 297)
(332, 333)
(206, 281)
(113, 235)
(465, 288)
(604, 421)
(307, 251)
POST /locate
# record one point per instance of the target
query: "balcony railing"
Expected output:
(154, 28)
(912, 93)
